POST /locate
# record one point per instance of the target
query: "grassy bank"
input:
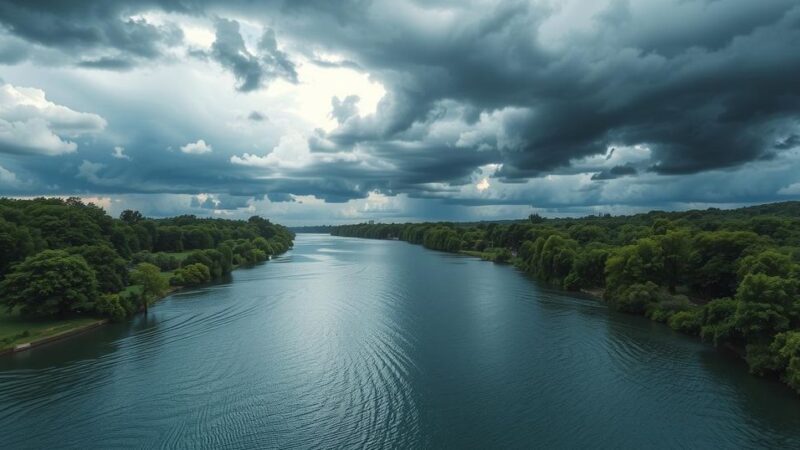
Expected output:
(498, 255)
(15, 330)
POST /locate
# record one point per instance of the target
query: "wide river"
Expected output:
(372, 344)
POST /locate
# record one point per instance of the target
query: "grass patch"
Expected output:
(15, 329)
(482, 255)
(501, 255)
(132, 289)
(167, 275)
(179, 255)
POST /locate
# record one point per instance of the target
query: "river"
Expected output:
(373, 344)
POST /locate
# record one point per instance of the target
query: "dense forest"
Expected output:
(731, 277)
(61, 258)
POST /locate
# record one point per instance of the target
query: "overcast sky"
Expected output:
(314, 112)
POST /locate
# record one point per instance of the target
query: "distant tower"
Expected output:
(372, 222)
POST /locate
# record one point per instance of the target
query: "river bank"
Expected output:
(21, 335)
(36, 333)
(598, 294)
(614, 275)
(55, 333)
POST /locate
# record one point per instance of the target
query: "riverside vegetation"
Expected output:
(65, 264)
(731, 277)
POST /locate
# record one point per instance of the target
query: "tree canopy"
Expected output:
(62, 257)
(50, 283)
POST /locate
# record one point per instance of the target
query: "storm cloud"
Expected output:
(109, 34)
(542, 104)
(252, 71)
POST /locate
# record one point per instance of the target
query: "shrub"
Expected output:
(667, 306)
(636, 297)
(110, 305)
(688, 321)
(191, 275)
(786, 347)
(718, 320)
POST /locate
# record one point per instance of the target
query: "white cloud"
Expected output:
(198, 36)
(250, 160)
(291, 152)
(32, 136)
(792, 189)
(119, 153)
(483, 185)
(29, 123)
(196, 148)
(310, 99)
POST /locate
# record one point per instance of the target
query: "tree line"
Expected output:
(731, 277)
(63, 257)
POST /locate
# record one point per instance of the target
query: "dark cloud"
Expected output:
(713, 100)
(615, 172)
(278, 197)
(788, 143)
(108, 63)
(275, 62)
(344, 109)
(12, 50)
(88, 26)
(706, 86)
(252, 71)
(336, 64)
(256, 116)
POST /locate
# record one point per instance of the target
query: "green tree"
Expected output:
(713, 265)
(197, 238)
(111, 270)
(130, 217)
(637, 298)
(786, 351)
(768, 262)
(766, 306)
(554, 260)
(675, 253)
(718, 321)
(170, 239)
(153, 284)
(51, 283)
(588, 269)
(15, 244)
(634, 264)
(585, 234)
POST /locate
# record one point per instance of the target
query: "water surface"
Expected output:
(363, 343)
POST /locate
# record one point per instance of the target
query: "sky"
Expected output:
(318, 112)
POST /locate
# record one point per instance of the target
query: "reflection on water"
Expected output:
(360, 343)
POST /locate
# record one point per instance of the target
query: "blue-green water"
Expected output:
(362, 343)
